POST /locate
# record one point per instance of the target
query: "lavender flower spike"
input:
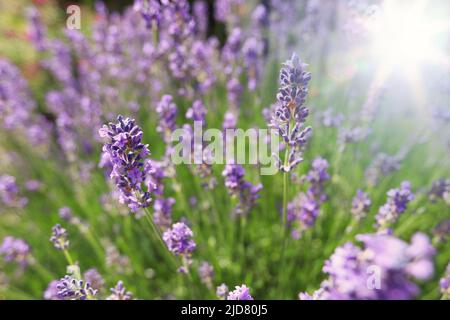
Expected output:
(179, 239)
(290, 113)
(123, 143)
(70, 288)
(396, 204)
(59, 237)
(360, 205)
(15, 250)
(206, 273)
(119, 292)
(222, 291)
(240, 293)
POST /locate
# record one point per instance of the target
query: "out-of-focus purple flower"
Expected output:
(260, 16)
(352, 135)
(382, 166)
(235, 90)
(440, 189)
(162, 215)
(240, 293)
(229, 120)
(206, 273)
(150, 11)
(18, 110)
(9, 192)
(222, 291)
(197, 112)
(442, 231)
(94, 278)
(396, 204)
(33, 185)
(59, 237)
(360, 205)
(302, 212)
(119, 292)
(65, 213)
(70, 288)
(392, 261)
(115, 260)
(290, 113)
(179, 239)
(246, 192)
(15, 250)
(51, 293)
(200, 13)
(123, 143)
(316, 176)
(167, 111)
(253, 49)
(36, 30)
(444, 284)
(329, 119)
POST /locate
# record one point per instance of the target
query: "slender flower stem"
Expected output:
(159, 236)
(68, 257)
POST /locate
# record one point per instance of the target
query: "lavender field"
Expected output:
(228, 149)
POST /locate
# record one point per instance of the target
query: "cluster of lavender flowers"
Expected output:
(290, 113)
(361, 204)
(206, 273)
(240, 293)
(59, 237)
(71, 288)
(382, 166)
(238, 187)
(119, 292)
(15, 250)
(396, 204)
(382, 269)
(10, 193)
(302, 212)
(179, 241)
(440, 189)
(123, 144)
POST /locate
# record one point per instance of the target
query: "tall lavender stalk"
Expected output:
(289, 117)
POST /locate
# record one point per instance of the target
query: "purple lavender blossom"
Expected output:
(396, 204)
(361, 204)
(119, 292)
(290, 113)
(70, 288)
(253, 50)
(240, 293)
(59, 237)
(123, 143)
(440, 189)
(229, 120)
(162, 215)
(222, 291)
(65, 213)
(382, 166)
(33, 185)
(94, 278)
(197, 112)
(51, 293)
(302, 213)
(206, 273)
(167, 111)
(397, 261)
(15, 250)
(9, 192)
(246, 192)
(200, 13)
(36, 30)
(150, 11)
(441, 232)
(179, 239)
(316, 177)
(260, 16)
(235, 90)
